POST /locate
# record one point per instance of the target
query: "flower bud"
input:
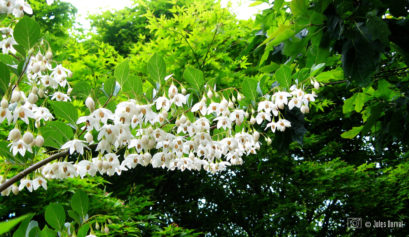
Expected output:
(173, 90)
(39, 141)
(184, 91)
(37, 123)
(36, 67)
(239, 97)
(252, 120)
(69, 74)
(69, 91)
(28, 138)
(316, 85)
(49, 55)
(231, 105)
(256, 136)
(88, 137)
(41, 93)
(32, 98)
(233, 99)
(14, 189)
(39, 57)
(304, 109)
(268, 140)
(106, 229)
(34, 90)
(89, 102)
(4, 103)
(210, 94)
(15, 96)
(97, 226)
(14, 134)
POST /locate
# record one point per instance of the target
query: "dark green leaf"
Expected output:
(27, 32)
(195, 78)
(4, 78)
(79, 203)
(156, 69)
(122, 72)
(66, 111)
(56, 133)
(283, 76)
(249, 89)
(83, 231)
(55, 216)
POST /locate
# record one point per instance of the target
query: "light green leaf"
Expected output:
(55, 216)
(80, 203)
(349, 105)
(47, 232)
(4, 78)
(133, 87)
(65, 110)
(352, 133)
(249, 89)
(195, 78)
(360, 100)
(109, 86)
(27, 32)
(333, 75)
(283, 76)
(6, 226)
(156, 69)
(81, 89)
(121, 72)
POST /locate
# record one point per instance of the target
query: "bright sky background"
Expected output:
(85, 7)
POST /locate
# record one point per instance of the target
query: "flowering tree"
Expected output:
(189, 126)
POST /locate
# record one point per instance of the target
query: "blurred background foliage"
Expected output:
(347, 158)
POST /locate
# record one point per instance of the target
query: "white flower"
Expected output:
(263, 116)
(49, 2)
(85, 167)
(294, 102)
(7, 46)
(281, 98)
(59, 96)
(237, 116)
(39, 182)
(42, 113)
(20, 147)
(102, 115)
(162, 103)
(272, 125)
(5, 114)
(223, 122)
(20, 7)
(200, 106)
(26, 183)
(74, 145)
(282, 124)
(173, 90)
(179, 100)
(22, 113)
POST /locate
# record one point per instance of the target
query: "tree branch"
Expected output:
(34, 167)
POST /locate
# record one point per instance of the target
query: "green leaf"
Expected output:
(195, 78)
(249, 89)
(352, 133)
(83, 230)
(74, 216)
(333, 75)
(121, 72)
(156, 69)
(109, 86)
(298, 7)
(4, 78)
(47, 232)
(56, 133)
(55, 216)
(81, 89)
(133, 87)
(27, 32)
(65, 110)
(7, 59)
(283, 76)
(6, 226)
(79, 203)
(360, 100)
(349, 105)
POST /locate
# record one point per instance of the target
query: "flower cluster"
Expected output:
(44, 80)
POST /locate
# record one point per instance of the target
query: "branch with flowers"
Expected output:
(191, 126)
